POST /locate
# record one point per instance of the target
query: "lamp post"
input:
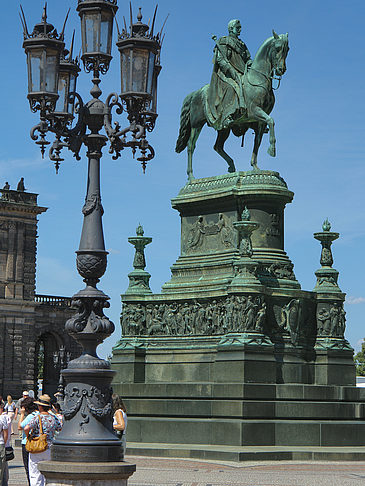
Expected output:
(87, 434)
(61, 358)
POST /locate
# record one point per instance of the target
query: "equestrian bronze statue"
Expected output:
(240, 96)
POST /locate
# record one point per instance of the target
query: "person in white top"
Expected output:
(4, 432)
(11, 409)
(120, 419)
(5, 481)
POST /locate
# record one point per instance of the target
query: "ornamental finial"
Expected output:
(246, 216)
(326, 226)
(139, 230)
(139, 15)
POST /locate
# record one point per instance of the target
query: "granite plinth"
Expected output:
(59, 473)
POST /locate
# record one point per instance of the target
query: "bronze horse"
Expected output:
(259, 98)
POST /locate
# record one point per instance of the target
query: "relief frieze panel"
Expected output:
(208, 233)
(236, 313)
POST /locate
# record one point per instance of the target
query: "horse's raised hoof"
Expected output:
(272, 151)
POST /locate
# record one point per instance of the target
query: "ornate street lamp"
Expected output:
(87, 434)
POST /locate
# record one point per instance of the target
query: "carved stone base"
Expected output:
(139, 282)
(325, 342)
(81, 474)
(327, 280)
(236, 339)
(245, 274)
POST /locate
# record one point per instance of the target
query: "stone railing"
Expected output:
(19, 197)
(53, 300)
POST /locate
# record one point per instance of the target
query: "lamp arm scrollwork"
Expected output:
(72, 137)
(114, 134)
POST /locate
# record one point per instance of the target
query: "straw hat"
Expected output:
(44, 400)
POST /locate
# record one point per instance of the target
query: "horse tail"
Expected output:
(185, 126)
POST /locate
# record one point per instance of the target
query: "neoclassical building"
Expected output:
(31, 325)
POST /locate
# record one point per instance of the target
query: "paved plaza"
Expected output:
(180, 472)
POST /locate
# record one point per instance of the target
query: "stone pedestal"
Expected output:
(81, 474)
(233, 352)
(209, 243)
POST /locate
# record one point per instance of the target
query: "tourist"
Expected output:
(27, 412)
(50, 425)
(5, 480)
(56, 409)
(4, 432)
(12, 411)
(120, 419)
(20, 401)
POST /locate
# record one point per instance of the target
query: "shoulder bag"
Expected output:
(37, 444)
(9, 453)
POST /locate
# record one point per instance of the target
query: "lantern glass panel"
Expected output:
(61, 105)
(139, 70)
(106, 26)
(72, 89)
(151, 68)
(50, 81)
(154, 92)
(34, 67)
(91, 43)
(125, 68)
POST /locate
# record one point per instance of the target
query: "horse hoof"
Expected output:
(190, 178)
(271, 151)
(231, 169)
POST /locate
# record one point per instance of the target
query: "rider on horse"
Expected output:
(225, 95)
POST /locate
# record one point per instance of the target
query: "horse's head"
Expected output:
(278, 52)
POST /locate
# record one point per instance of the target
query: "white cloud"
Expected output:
(355, 300)
(112, 251)
(358, 345)
(12, 165)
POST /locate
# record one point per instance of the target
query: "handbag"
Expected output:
(9, 453)
(37, 444)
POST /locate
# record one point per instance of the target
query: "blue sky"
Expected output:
(319, 128)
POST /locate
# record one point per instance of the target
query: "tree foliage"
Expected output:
(360, 361)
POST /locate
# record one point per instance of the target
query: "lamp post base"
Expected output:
(59, 473)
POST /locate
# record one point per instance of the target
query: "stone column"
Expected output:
(19, 264)
(9, 273)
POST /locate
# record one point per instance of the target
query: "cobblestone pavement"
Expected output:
(172, 472)
(180, 472)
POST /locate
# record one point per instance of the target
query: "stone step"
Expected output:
(244, 391)
(238, 454)
(246, 432)
(246, 409)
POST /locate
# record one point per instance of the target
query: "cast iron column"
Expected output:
(87, 435)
